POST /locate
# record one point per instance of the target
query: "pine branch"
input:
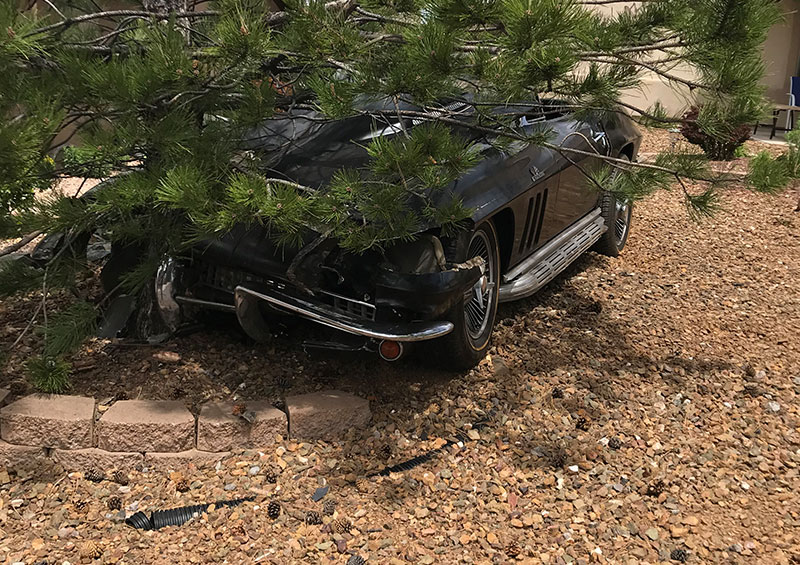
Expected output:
(656, 46)
(110, 14)
(383, 19)
(69, 328)
(653, 68)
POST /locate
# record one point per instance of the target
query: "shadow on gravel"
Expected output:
(560, 328)
(564, 328)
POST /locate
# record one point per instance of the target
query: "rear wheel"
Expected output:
(473, 316)
(617, 214)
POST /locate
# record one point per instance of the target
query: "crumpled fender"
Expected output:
(427, 295)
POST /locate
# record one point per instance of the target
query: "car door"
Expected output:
(534, 209)
(577, 195)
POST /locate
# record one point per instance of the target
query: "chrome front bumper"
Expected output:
(250, 317)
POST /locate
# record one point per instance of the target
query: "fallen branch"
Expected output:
(20, 244)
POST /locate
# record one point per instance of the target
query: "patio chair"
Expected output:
(790, 109)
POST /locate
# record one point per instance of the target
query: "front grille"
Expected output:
(221, 278)
(348, 306)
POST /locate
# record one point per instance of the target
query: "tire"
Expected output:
(470, 339)
(617, 215)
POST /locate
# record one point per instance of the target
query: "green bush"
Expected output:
(49, 374)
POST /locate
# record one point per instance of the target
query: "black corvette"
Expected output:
(533, 213)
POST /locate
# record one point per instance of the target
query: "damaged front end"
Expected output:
(402, 294)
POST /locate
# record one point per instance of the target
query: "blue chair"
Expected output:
(794, 100)
(794, 97)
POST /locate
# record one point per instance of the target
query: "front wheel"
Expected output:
(474, 314)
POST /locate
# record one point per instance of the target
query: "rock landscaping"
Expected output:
(637, 410)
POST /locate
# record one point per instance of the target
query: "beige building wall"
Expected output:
(781, 56)
(782, 53)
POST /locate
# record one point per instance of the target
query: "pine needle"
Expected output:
(66, 330)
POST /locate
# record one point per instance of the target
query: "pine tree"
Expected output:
(164, 95)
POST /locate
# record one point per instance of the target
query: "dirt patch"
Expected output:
(636, 407)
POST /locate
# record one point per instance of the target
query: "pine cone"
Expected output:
(329, 507)
(655, 489)
(239, 409)
(114, 503)
(341, 526)
(362, 485)
(356, 560)
(182, 485)
(386, 451)
(557, 393)
(313, 518)
(121, 478)
(94, 475)
(679, 555)
(91, 550)
(513, 548)
(582, 424)
(271, 476)
(614, 443)
(558, 457)
(81, 505)
(273, 509)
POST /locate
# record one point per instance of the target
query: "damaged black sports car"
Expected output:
(533, 212)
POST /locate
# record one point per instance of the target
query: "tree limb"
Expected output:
(658, 45)
(8, 250)
(669, 76)
(116, 14)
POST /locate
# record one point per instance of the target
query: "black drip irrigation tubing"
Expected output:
(177, 516)
(409, 464)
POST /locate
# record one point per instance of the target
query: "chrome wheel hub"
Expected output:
(622, 218)
(478, 300)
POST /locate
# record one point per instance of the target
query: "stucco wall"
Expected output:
(782, 53)
(781, 57)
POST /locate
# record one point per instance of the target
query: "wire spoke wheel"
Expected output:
(473, 313)
(622, 220)
(616, 211)
(478, 303)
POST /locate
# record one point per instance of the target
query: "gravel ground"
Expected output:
(634, 408)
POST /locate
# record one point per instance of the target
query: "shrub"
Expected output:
(717, 149)
(771, 175)
(49, 375)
